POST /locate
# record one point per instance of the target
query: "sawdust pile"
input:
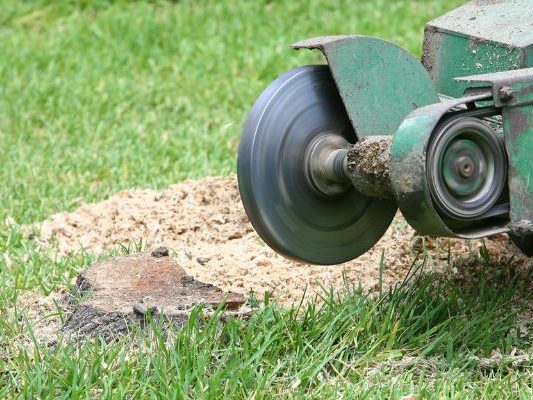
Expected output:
(203, 222)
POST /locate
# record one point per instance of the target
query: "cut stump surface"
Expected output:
(124, 290)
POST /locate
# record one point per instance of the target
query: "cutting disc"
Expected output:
(283, 205)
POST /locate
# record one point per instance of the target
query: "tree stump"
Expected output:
(122, 291)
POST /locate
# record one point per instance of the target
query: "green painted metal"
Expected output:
(518, 127)
(378, 81)
(508, 88)
(482, 36)
(513, 91)
(409, 172)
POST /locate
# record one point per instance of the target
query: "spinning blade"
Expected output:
(286, 209)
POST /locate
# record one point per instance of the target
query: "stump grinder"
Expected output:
(330, 152)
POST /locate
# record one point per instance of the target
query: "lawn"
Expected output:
(98, 96)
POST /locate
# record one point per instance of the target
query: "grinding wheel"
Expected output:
(289, 212)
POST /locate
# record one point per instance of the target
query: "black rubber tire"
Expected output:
(524, 243)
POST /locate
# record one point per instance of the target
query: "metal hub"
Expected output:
(325, 163)
(291, 173)
(466, 167)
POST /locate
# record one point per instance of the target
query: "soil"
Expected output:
(369, 165)
(206, 228)
(43, 314)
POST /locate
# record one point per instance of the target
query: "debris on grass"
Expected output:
(40, 315)
(206, 228)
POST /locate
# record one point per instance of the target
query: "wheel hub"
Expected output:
(466, 168)
(325, 163)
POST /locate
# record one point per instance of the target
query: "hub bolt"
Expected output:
(506, 93)
(466, 169)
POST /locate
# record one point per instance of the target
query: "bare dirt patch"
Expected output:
(204, 224)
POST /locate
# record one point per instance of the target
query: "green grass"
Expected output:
(353, 347)
(100, 96)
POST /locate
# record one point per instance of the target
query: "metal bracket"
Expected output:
(378, 81)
